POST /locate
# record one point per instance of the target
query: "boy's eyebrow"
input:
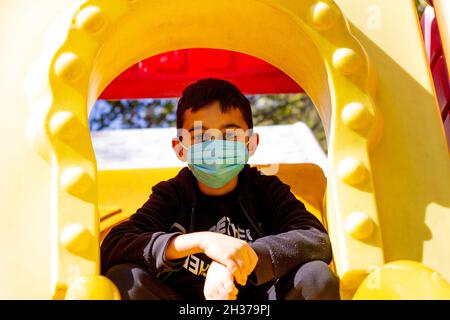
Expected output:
(197, 127)
(225, 126)
(230, 125)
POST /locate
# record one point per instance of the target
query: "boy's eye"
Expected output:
(227, 135)
(230, 135)
(206, 137)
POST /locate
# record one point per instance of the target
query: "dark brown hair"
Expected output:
(205, 91)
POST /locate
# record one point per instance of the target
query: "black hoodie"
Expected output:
(284, 234)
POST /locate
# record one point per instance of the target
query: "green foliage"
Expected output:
(150, 113)
(132, 114)
(421, 4)
(288, 109)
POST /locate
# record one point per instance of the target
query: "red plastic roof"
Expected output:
(438, 66)
(167, 74)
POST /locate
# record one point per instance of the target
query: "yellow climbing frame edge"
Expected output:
(389, 169)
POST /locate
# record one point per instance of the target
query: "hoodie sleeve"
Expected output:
(144, 237)
(296, 235)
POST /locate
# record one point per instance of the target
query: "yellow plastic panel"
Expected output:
(411, 167)
(25, 183)
(122, 192)
(389, 171)
(82, 59)
(307, 181)
(403, 280)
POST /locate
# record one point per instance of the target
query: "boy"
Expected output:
(219, 229)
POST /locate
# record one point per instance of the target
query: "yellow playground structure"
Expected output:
(386, 196)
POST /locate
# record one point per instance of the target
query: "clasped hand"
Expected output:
(233, 259)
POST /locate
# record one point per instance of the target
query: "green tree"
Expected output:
(421, 4)
(288, 109)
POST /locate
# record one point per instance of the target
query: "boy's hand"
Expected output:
(219, 283)
(235, 254)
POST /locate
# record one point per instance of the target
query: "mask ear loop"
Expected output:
(180, 152)
(181, 143)
(249, 139)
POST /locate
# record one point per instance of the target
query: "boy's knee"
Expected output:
(121, 271)
(136, 283)
(316, 281)
(127, 277)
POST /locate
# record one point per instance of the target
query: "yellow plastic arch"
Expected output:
(333, 69)
(330, 48)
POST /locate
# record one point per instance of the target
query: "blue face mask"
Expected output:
(216, 162)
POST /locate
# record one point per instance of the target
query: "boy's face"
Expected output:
(211, 123)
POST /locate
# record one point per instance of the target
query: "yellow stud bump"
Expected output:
(92, 287)
(359, 225)
(64, 126)
(356, 116)
(68, 67)
(323, 16)
(76, 181)
(403, 280)
(352, 171)
(76, 238)
(90, 19)
(346, 61)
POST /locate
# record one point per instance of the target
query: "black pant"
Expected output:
(312, 281)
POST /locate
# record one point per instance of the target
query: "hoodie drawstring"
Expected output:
(192, 224)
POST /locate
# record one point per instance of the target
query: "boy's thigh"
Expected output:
(136, 283)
